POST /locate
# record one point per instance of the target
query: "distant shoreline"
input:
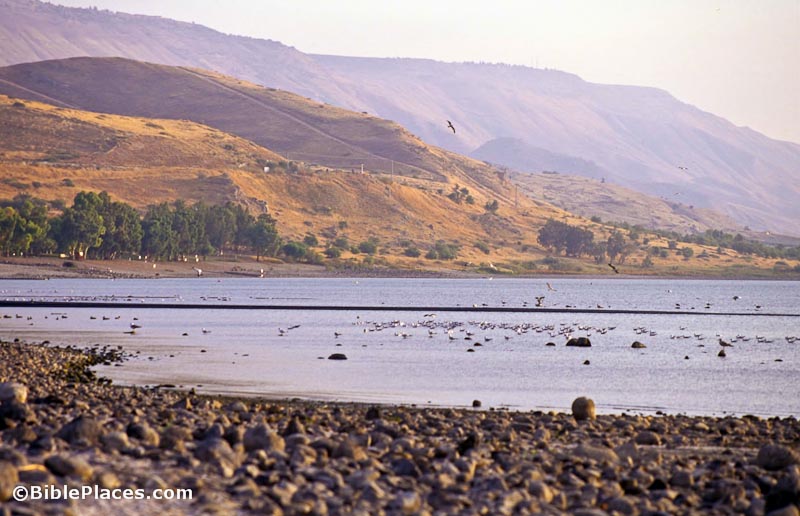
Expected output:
(44, 268)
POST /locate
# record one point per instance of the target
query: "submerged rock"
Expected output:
(580, 342)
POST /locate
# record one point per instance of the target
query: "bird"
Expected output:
(725, 344)
(613, 268)
(198, 271)
(550, 287)
(450, 125)
(682, 167)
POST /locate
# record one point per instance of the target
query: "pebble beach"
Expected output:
(62, 425)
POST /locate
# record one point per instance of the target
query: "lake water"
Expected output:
(421, 357)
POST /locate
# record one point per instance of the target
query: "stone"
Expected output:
(681, 478)
(260, 437)
(294, 427)
(337, 356)
(775, 456)
(405, 468)
(596, 453)
(13, 391)
(144, 433)
(219, 454)
(476, 403)
(648, 438)
(64, 466)
(115, 441)
(13, 412)
(540, 490)
(579, 342)
(8, 480)
(373, 413)
(583, 409)
(408, 502)
(637, 345)
(82, 430)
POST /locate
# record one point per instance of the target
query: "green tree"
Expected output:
(159, 240)
(82, 226)
(264, 236)
(123, 229)
(294, 251)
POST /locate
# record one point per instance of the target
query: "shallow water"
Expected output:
(393, 358)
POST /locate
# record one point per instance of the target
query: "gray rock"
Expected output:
(583, 409)
(144, 433)
(596, 453)
(408, 502)
(260, 437)
(405, 468)
(621, 505)
(81, 431)
(13, 391)
(294, 427)
(337, 356)
(648, 438)
(64, 466)
(8, 480)
(579, 342)
(774, 457)
(681, 478)
(115, 441)
(349, 449)
(541, 491)
(219, 454)
(476, 403)
(15, 411)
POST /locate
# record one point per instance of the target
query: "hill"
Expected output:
(641, 138)
(54, 152)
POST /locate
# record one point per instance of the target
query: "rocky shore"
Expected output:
(61, 425)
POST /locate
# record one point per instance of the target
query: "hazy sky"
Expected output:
(739, 59)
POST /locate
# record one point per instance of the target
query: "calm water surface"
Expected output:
(422, 358)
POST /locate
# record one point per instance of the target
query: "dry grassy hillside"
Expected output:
(54, 152)
(296, 127)
(615, 203)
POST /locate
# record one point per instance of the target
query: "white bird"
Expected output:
(199, 271)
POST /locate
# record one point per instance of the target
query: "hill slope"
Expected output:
(53, 152)
(638, 137)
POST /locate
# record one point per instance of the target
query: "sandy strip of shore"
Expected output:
(60, 425)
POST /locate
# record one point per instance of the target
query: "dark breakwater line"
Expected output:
(378, 308)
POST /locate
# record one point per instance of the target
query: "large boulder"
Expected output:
(774, 456)
(579, 342)
(13, 392)
(583, 409)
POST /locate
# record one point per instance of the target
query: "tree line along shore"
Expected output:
(60, 424)
(96, 227)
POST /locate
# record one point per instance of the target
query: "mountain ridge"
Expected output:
(642, 137)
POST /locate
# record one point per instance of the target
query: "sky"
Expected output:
(739, 59)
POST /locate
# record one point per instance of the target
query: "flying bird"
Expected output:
(450, 125)
(550, 288)
(613, 268)
(682, 167)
